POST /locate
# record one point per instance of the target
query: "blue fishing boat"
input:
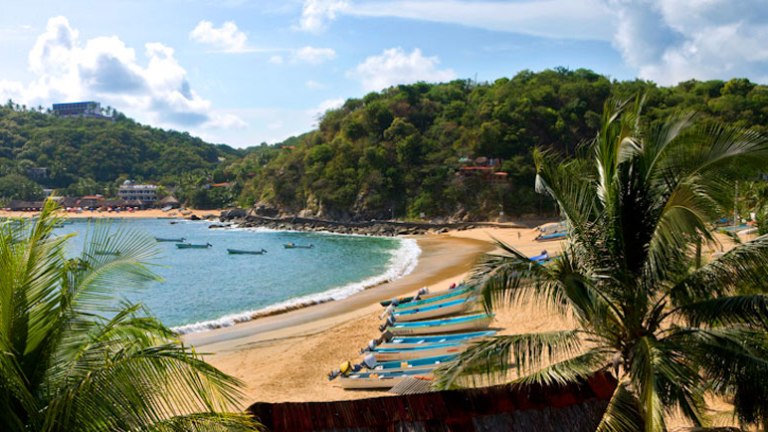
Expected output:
(553, 236)
(422, 351)
(435, 310)
(414, 341)
(381, 380)
(450, 296)
(445, 325)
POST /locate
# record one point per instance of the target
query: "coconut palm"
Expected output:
(73, 358)
(670, 330)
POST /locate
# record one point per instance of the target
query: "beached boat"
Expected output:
(413, 364)
(445, 325)
(193, 246)
(455, 294)
(298, 246)
(429, 295)
(415, 341)
(382, 354)
(553, 236)
(171, 240)
(429, 311)
(381, 380)
(245, 252)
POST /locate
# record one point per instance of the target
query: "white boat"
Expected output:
(455, 294)
(384, 354)
(415, 341)
(436, 310)
(445, 325)
(376, 380)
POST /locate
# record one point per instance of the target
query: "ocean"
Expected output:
(209, 288)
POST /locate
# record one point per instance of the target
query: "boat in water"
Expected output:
(298, 246)
(246, 252)
(193, 246)
(171, 240)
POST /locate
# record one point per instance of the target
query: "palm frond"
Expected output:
(495, 358)
(727, 311)
(205, 422)
(745, 266)
(623, 412)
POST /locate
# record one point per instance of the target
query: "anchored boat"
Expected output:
(245, 252)
(170, 240)
(298, 246)
(193, 246)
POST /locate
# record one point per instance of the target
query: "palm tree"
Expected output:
(73, 358)
(669, 330)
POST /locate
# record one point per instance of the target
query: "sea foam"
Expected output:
(402, 262)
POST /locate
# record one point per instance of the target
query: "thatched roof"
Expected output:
(531, 408)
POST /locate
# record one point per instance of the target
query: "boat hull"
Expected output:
(191, 246)
(244, 252)
(458, 295)
(413, 354)
(380, 381)
(434, 312)
(429, 328)
(416, 341)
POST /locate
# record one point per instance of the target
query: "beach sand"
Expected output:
(286, 357)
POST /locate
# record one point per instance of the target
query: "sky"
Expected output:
(244, 72)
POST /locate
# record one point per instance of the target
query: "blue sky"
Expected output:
(243, 72)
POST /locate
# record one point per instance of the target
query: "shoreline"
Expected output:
(403, 262)
(285, 358)
(432, 265)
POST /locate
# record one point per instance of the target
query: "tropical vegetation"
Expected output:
(669, 325)
(74, 357)
(398, 152)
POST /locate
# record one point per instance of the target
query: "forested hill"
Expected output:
(90, 155)
(461, 148)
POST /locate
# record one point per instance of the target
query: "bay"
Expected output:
(209, 288)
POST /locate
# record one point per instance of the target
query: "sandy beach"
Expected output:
(286, 357)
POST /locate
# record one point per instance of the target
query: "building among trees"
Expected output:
(130, 191)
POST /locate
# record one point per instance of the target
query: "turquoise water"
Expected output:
(208, 288)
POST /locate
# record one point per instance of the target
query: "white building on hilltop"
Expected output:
(130, 191)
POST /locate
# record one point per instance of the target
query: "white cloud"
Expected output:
(310, 84)
(317, 112)
(106, 70)
(227, 38)
(276, 59)
(316, 13)
(395, 66)
(669, 42)
(313, 55)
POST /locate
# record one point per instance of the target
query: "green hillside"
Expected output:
(456, 149)
(81, 156)
(409, 150)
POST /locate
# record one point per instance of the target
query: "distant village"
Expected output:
(131, 197)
